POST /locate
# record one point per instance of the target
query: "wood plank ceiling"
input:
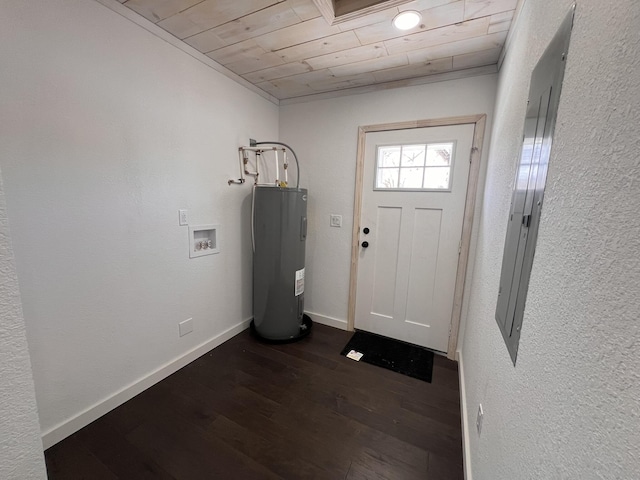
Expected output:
(288, 49)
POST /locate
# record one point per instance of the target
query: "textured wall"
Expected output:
(106, 131)
(20, 446)
(324, 133)
(569, 409)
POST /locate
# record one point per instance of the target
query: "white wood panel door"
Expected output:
(413, 202)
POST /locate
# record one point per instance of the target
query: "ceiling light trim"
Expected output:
(407, 20)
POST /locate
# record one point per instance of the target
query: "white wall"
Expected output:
(20, 445)
(107, 131)
(569, 409)
(324, 133)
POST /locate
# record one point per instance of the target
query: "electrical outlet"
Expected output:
(479, 419)
(186, 326)
(182, 217)
(335, 220)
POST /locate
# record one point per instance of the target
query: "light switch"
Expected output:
(182, 217)
(335, 220)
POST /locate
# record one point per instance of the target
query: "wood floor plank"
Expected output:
(370, 465)
(121, 457)
(249, 409)
(267, 451)
(285, 429)
(444, 469)
(72, 460)
(187, 452)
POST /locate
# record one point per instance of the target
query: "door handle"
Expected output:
(365, 244)
(366, 230)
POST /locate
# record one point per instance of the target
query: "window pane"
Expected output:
(439, 154)
(389, 156)
(413, 156)
(387, 178)
(414, 167)
(436, 177)
(411, 177)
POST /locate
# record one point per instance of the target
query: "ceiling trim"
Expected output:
(438, 77)
(328, 9)
(152, 28)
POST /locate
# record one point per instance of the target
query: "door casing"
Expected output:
(479, 122)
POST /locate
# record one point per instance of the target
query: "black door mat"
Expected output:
(401, 357)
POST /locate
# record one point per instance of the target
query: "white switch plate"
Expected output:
(479, 419)
(182, 217)
(186, 326)
(335, 220)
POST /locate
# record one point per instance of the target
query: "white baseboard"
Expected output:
(466, 448)
(330, 321)
(84, 418)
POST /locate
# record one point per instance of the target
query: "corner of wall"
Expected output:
(21, 453)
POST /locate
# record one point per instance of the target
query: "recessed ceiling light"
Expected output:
(406, 20)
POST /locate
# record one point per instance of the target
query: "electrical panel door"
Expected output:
(528, 190)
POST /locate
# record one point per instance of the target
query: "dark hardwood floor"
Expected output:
(248, 410)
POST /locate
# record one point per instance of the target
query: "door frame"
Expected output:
(479, 122)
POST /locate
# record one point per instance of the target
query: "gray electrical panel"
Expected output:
(279, 235)
(528, 190)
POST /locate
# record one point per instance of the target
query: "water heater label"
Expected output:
(299, 282)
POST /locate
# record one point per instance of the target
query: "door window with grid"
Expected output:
(425, 166)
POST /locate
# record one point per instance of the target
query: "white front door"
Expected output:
(413, 201)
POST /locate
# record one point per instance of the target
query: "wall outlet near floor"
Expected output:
(479, 419)
(186, 326)
(335, 220)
